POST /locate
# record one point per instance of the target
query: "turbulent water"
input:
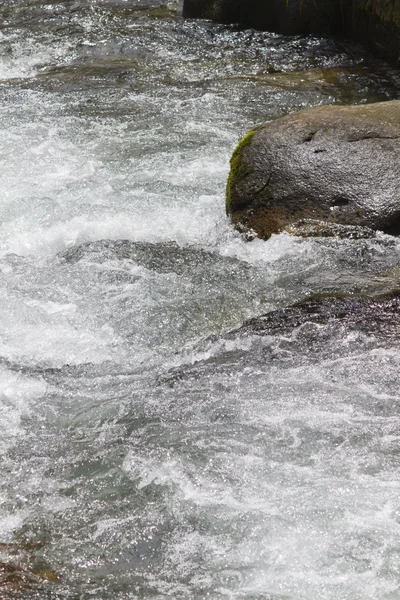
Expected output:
(145, 454)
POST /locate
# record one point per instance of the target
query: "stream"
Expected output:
(146, 453)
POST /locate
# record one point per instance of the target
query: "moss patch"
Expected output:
(238, 170)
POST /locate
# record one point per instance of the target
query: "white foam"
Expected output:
(10, 522)
(26, 56)
(17, 392)
(51, 333)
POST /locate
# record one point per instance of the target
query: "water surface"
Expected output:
(144, 453)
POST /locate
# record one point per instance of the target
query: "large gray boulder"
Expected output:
(335, 164)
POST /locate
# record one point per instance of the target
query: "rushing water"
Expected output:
(144, 453)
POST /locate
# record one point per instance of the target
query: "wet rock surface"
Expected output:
(320, 328)
(312, 228)
(23, 569)
(379, 315)
(335, 164)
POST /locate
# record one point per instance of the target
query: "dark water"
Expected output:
(145, 454)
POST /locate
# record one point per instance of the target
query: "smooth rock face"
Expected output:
(339, 164)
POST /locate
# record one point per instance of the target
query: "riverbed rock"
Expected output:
(379, 315)
(318, 329)
(23, 569)
(335, 164)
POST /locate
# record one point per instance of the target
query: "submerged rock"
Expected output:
(347, 84)
(379, 315)
(22, 570)
(312, 228)
(338, 164)
(317, 329)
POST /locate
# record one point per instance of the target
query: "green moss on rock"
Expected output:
(324, 171)
(238, 169)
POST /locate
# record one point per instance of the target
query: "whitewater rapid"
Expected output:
(145, 453)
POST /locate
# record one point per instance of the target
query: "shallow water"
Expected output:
(145, 453)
